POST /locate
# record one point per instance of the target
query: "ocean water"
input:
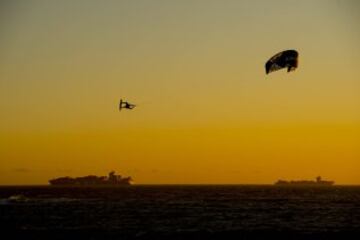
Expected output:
(181, 212)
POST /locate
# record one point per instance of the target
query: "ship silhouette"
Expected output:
(317, 182)
(91, 180)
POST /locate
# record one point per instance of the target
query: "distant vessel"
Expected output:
(111, 180)
(318, 182)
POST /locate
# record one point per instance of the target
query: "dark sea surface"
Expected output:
(181, 212)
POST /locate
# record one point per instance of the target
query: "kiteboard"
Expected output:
(120, 106)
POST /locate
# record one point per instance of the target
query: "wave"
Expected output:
(22, 199)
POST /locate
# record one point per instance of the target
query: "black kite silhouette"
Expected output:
(285, 59)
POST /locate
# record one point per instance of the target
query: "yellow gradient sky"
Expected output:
(207, 112)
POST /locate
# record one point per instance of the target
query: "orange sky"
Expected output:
(207, 112)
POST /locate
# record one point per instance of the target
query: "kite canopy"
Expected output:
(286, 59)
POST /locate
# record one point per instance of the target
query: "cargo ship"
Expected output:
(91, 180)
(317, 182)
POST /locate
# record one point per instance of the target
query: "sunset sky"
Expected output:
(206, 111)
